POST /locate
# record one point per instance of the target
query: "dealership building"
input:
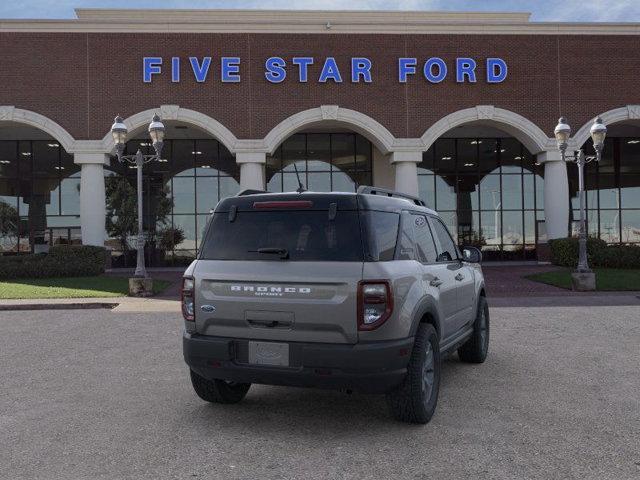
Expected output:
(457, 108)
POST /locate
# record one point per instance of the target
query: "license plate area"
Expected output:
(269, 353)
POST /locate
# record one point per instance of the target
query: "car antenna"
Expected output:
(300, 188)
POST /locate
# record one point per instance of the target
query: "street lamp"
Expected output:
(156, 132)
(598, 133)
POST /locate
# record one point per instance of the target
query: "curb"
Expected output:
(57, 306)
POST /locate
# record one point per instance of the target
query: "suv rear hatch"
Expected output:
(281, 267)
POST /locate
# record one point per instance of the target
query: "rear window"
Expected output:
(305, 236)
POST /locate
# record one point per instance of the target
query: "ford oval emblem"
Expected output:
(208, 308)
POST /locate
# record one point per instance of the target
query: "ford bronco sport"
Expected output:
(358, 291)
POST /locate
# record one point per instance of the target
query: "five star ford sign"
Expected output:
(361, 69)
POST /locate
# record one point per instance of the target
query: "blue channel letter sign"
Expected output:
(309, 69)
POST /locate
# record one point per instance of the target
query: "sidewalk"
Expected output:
(117, 304)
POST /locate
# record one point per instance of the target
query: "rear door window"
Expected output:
(304, 235)
(406, 242)
(447, 250)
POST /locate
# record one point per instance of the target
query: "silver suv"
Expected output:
(357, 291)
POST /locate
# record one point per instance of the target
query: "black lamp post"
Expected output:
(156, 132)
(562, 133)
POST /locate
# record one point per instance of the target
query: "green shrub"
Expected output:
(620, 256)
(61, 261)
(564, 252)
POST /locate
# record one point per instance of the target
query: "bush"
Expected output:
(61, 261)
(564, 252)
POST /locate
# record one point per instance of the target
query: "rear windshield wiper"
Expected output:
(283, 252)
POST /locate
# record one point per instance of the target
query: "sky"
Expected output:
(542, 10)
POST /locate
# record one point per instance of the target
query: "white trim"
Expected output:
(175, 112)
(9, 113)
(617, 115)
(382, 138)
(516, 125)
(308, 21)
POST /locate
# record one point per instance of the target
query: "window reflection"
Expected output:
(488, 192)
(179, 192)
(39, 196)
(325, 162)
(612, 191)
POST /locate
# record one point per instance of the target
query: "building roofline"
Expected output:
(310, 21)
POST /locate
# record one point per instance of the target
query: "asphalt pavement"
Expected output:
(105, 394)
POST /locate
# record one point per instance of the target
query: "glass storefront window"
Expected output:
(489, 190)
(179, 191)
(612, 191)
(39, 192)
(325, 162)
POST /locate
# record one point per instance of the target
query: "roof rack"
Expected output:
(368, 190)
(249, 191)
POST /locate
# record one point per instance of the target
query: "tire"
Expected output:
(414, 401)
(476, 348)
(218, 391)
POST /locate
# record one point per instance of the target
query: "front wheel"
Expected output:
(414, 401)
(476, 348)
(218, 391)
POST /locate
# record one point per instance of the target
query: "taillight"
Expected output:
(188, 305)
(375, 303)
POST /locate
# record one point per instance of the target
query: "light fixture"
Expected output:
(446, 158)
(162, 160)
(633, 142)
(469, 164)
(58, 168)
(598, 134)
(156, 132)
(517, 158)
(476, 142)
(53, 145)
(205, 166)
(503, 150)
(4, 162)
(145, 144)
(562, 133)
(196, 153)
(25, 154)
(119, 131)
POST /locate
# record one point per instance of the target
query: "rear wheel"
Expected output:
(218, 391)
(477, 347)
(414, 401)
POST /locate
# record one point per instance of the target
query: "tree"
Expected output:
(122, 210)
(9, 223)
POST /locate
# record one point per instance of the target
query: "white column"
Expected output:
(556, 194)
(92, 197)
(251, 170)
(406, 166)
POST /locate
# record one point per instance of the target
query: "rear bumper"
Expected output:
(375, 367)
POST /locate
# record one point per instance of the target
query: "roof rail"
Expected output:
(249, 191)
(368, 190)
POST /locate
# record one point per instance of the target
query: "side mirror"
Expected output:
(471, 255)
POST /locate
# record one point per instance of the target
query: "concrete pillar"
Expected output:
(556, 194)
(406, 166)
(251, 170)
(92, 197)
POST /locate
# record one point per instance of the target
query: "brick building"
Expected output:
(458, 108)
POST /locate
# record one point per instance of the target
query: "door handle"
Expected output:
(459, 277)
(436, 282)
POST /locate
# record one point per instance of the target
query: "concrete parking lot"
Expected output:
(102, 394)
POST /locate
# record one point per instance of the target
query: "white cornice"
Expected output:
(306, 21)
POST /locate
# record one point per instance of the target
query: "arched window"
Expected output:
(488, 191)
(325, 162)
(39, 194)
(179, 192)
